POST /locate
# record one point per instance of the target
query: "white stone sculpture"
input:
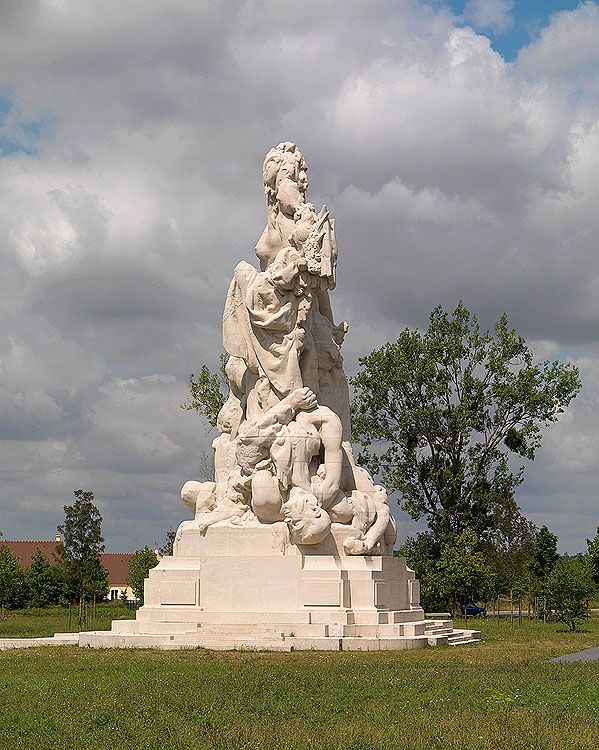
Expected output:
(291, 545)
(284, 452)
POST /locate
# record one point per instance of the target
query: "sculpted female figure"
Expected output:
(285, 453)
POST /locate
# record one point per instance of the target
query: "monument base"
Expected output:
(250, 588)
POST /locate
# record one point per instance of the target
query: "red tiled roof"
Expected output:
(117, 565)
(25, 549)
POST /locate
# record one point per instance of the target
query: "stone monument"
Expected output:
(291, 545)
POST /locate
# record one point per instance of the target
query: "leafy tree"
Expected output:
(167, 548)
(509, 549)
(12, 580)
(207, 391)
(463, 573)
(139, 567)
(82, 544)
(42, 580)
(593, 555)
(450, 573)
(568, 588)
(422, 554)
(544, 554)
(438, 414)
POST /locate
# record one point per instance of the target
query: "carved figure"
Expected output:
(284, 452)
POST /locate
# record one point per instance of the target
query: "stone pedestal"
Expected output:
(249, 588)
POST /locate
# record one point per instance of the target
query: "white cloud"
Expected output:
(495, 15)
(425, 205)
(567, 48)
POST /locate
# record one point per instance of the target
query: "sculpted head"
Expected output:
(284, 161)
(230, 415)
(199, 497)
(308, 523)
(250, 452)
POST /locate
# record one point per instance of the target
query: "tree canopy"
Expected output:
(43, 582)
(438, 414)
(206, 392)
(544, 554)
(12, 580)
(82, 544)
(593, 555)
(141, 563)
(568, 587)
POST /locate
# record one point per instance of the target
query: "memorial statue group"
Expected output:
(284, 452)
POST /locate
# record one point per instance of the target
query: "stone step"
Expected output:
(163, 628)
(308, 644)
(60, 639)
(460, 637)
(225, 617)
(272, 630)
(464, 642)
(264, 644)
(66, 638)
(438, 624)
(438, 640)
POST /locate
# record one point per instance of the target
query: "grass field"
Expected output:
(499, 694)
(38, 623)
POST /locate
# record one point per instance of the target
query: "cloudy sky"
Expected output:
(457, 144)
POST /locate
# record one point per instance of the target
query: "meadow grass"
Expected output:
(501, 693)
(39, 623)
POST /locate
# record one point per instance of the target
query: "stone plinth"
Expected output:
(250, 588)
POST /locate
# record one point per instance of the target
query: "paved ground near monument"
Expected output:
(589, 654)
(502, 693)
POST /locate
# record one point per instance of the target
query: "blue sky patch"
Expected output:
(19, 135)
(529, 17)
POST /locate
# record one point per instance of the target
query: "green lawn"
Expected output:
(499, 694)
(34, 623)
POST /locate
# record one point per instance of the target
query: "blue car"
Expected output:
(473, 610)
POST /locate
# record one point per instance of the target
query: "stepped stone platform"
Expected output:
(250, 588)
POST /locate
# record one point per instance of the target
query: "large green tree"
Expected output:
(593, 555)
(508, 548)
(43, 581)
(438, 414)
(544, 554)
(141, 563)
(450, 573)
(568, 588)
(463, 573)
(82, 545)
(12, 580)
